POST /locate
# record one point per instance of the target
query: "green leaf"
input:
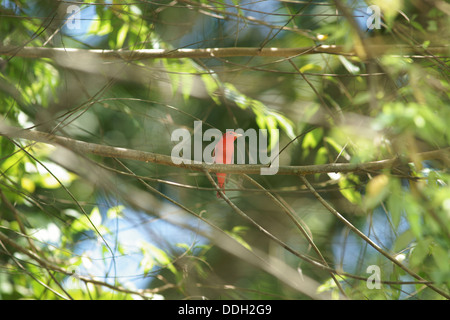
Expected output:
(347, 188)
(442, 258)
(376, 191)
(311, 139)
(395, 201)
(309, 67)
(349, 66)
(156, 256)
(84, 223)
(100, 27)
(265, 118)
(413, 215)
(115, 212)
(181, 76)
(403, 240)
(321, 156)
(420, 252)
(122, 35)
(211, 86)
(236, 233)
(285, 124)
(330, 285)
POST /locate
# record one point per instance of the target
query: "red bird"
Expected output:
(223, 153)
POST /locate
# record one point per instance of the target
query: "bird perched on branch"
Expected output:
(223, 154)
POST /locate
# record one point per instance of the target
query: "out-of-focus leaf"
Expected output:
(84, 223)
(122, 35)
(348, 65)
(347, 188)
(211, 85)
(376, 191)
(421, 250)
(236, 233)
(155, 256)
(115, 212)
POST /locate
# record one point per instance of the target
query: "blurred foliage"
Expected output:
(61, 219)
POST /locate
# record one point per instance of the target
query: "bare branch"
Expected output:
(72, 53)
(144, 156)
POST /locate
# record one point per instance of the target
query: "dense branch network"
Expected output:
(65, 56)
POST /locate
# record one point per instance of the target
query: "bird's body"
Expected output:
(223, 154)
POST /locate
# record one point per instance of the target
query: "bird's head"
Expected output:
(232, 135)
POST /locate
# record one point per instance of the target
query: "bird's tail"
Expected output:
(220, 182)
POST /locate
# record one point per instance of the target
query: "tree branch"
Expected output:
(72, 53)
(144, 156)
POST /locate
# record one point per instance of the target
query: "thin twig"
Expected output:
(300, 226)
(261, 228)
(50, 266)
(367, 239)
